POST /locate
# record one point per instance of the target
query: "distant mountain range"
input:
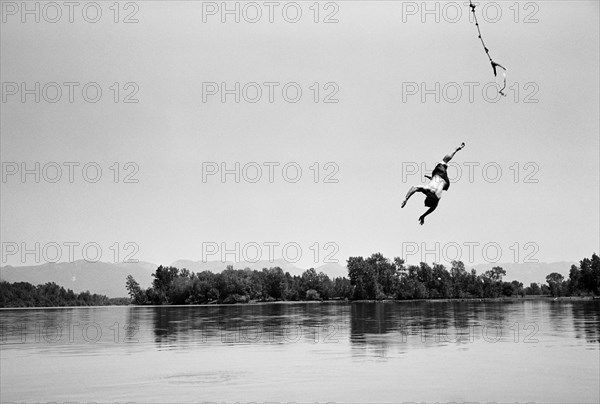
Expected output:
(109, 279)
(98, 277)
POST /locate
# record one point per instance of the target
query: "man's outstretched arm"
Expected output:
(422, 218)
(449, 157)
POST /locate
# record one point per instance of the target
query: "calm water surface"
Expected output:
(521, 351)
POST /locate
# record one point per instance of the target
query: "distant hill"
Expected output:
(109, 279)
(97, 277)
(218, 266)
(333, 270)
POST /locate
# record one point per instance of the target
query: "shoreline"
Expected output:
(345, 302)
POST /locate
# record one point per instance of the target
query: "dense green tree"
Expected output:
(459, 279)
(312, 294)
(575, 284)
(386, 274)
(364, 276)
(309, 279)
(24, 294)
(342, 288)
(137, 295)
(533, 289)
(163, 281)
(556, 283)
(294, 288)
(325, 289)
(513, 288)
(360, 278)
(275, 285)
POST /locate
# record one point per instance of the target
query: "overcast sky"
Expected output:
(379, 128)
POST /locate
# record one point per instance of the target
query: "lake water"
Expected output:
(517, 351)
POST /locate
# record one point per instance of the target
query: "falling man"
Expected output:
(438, 182)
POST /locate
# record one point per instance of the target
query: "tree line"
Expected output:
(174, 286)
(372, 278)
(583, 280)
(24, 294)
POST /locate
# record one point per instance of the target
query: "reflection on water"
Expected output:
(404, 326)
(180, 327)
(305, 352)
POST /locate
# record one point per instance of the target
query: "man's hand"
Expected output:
(462, 145)
(422, 220)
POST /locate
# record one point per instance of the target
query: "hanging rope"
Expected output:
(487, 51)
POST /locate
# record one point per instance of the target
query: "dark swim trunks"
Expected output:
(431, 200)
(440, 169)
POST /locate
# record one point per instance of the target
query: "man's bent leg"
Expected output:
(410, 193)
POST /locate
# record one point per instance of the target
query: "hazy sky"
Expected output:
(375, 58)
